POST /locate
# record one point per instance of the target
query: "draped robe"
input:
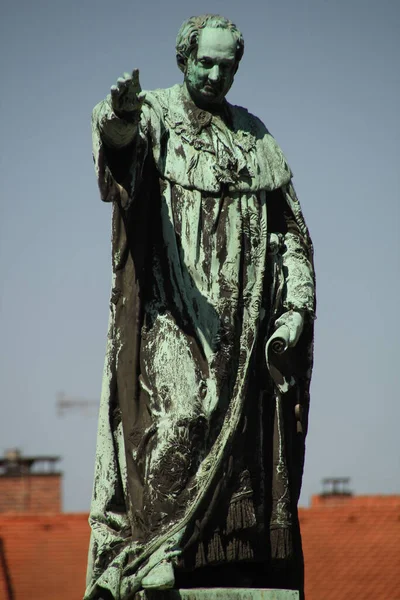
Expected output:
(209, 248)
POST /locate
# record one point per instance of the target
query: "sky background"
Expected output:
(324, 77)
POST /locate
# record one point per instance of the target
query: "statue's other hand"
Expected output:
(126, 97)
(294, 321)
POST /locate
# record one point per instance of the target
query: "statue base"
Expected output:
(218, 594)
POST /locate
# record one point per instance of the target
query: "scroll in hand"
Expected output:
(277, 351)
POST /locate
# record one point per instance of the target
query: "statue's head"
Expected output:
(208, 51)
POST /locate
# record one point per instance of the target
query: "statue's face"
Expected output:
(209, 74)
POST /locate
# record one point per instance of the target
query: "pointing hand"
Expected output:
(126, 96)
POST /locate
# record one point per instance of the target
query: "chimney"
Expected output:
(334, 492)
(29, 485)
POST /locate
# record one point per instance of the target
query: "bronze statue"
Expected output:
(205, 394)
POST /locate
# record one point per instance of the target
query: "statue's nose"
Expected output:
(214, 73)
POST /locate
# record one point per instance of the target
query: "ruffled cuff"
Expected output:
(114, 131)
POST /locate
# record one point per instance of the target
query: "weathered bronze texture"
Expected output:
(205, 399)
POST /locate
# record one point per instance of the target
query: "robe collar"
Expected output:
(199, 118)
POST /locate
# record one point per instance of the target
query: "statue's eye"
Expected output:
(226, 66)
(206, 62)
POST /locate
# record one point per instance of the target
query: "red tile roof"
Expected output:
(46, 556)
(352, 548)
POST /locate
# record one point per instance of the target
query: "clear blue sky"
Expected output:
(325, 78)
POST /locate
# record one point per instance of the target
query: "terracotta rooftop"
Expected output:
(351, 548)
(45, 556)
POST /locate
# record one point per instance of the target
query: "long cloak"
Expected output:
(187, 466)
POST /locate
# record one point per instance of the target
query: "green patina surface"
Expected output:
(210, 256)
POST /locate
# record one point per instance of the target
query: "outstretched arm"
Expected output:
(117, 116)
(119, 145)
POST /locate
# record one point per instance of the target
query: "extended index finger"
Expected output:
(135, 79)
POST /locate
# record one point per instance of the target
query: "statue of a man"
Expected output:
(205, 394)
